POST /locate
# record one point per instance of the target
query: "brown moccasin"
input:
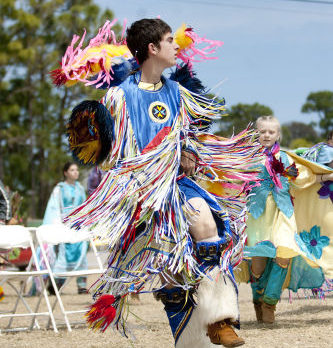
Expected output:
(223, 334)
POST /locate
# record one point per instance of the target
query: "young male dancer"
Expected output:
(152, 206)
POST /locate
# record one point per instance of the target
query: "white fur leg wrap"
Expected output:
(216, 300)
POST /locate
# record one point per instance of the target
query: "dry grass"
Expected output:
(303, 323)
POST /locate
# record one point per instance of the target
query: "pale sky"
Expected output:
(275, 52)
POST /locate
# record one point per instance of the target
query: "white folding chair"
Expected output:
(16, 236)
(57, 234)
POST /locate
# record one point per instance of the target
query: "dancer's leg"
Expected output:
(217, 304)
(260, 268)
(273, 289)
(276, 279)
(213, 316)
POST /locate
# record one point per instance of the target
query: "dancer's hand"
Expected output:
(329, 177)
(188, 162)
(325, 177)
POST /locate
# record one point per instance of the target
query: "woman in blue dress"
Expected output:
(65, 197)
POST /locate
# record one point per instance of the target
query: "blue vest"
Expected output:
(259, 194)
(150, 111)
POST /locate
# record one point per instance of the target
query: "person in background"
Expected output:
(330, 138)
(5, 208)
(94, 179)
(66, 196)
(5, 216)
(275, 242)
(322, 152)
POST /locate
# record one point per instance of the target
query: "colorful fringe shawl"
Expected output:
(139, 209)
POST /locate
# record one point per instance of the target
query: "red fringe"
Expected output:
(277, 165)
(101, 313)
(58, 76)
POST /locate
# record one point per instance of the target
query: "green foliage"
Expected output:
(322, 103)
(240, 116)
(33, 37)
(298, 130)
(300, 143)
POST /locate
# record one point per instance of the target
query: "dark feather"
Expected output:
(188, 79)
(90, 123)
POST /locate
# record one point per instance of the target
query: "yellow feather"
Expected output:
(88, 151)
(104, 51)
(181, 38)
(70, 83)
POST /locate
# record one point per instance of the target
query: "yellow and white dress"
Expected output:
(292, 222)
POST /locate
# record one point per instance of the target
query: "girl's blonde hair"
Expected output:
(272, 119)
(269, 118)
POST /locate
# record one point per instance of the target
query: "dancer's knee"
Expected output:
(258, 265)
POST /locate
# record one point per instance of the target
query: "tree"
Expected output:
(299, 142)
(322, 103)
(298, 130)
(239, 117)
(34, 35)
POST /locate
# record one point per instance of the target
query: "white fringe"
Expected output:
(217, 300)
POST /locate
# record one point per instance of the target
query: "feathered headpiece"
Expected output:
(188, 42)
(106, 62)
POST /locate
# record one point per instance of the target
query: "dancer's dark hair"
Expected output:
(143, 32)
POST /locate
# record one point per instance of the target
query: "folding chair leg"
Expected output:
(13, 311)
(20, 297)
(33, 320)
(50, 310)
(58, 299)
(54, 304)
(54, 285)
(99, 261)
(51, 316)
(53, 307)
(68, 280)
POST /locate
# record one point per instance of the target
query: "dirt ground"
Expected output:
(303, 323)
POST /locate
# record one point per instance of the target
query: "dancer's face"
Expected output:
(167, 52)
(72, 173)
(269, 133)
